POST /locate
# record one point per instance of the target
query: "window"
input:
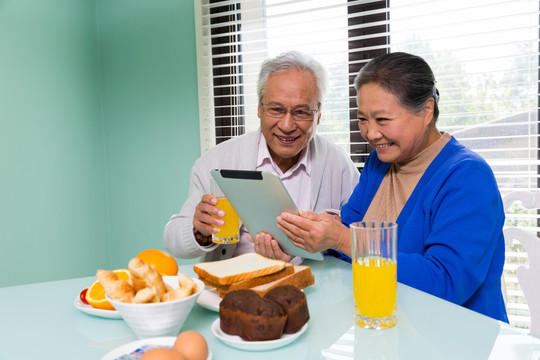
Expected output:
(484, 54)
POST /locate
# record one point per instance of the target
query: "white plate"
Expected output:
(237, 342)
(165, 341)
(209, 299)
(107, 314)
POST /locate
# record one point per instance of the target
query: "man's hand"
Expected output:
(203, 220)
(267, 246)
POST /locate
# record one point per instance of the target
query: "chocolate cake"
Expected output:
(293, 302)
(253, 318)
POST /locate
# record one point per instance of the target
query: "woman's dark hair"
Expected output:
(406, 76)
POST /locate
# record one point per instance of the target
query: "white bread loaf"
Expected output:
(238, 268)
(256, 281)
(301, 278)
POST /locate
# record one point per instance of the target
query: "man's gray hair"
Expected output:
(293, 60)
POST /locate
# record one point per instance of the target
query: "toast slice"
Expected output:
(260, 280)
(301, 278)
(246, 266)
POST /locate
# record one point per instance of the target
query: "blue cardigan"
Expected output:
(450, 238)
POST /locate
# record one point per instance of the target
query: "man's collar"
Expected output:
(264, 157)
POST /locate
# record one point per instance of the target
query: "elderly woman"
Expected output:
(443, 196)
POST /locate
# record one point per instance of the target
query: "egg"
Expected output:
(191, 345)
(162, 354)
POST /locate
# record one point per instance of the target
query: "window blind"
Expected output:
(484, 54)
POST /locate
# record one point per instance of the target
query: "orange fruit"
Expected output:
(96, 293)
(160, 260)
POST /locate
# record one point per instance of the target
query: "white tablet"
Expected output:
(258, 198)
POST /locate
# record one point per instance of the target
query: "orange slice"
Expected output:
(164, 263)
(96, 293)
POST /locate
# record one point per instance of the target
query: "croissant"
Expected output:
(187, 288)
(117, 289)
(146, 295)
(143, 272)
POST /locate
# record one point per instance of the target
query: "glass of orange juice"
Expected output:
(229, 232)
(374, 265)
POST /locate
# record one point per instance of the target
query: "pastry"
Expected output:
(117, 289)
(293, 301)
(187, 287)
(253, 318)
(143, 272)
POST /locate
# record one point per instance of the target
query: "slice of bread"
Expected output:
(256, 281)
(301, 278)
(238, 268)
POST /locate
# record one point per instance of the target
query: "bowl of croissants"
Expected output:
(151, 304)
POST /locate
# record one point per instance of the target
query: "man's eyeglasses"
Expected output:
(298, 114)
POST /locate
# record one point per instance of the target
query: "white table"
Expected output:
(41, 321)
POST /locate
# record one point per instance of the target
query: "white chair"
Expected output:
(528, 277)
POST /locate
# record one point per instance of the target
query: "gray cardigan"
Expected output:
(334, 177)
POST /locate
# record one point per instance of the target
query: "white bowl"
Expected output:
(158, 319)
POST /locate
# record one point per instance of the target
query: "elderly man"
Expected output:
(318, 174)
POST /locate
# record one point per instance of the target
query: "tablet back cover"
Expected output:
(258, 198)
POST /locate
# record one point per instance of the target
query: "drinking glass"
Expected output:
(230, 231)
(374, 265)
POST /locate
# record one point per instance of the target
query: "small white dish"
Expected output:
(210, 299)
(237, 342)
(107, 314)
(164, 341)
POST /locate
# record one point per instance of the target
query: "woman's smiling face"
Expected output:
(395, 132)
(286, 137)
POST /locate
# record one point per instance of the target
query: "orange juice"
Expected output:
(229, 232)
(375, 289)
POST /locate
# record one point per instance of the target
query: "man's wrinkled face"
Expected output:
(286, 136)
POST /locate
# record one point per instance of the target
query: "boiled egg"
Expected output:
(191, 345)
(162, 354)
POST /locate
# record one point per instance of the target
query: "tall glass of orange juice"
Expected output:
(229, 232)
(374, 265)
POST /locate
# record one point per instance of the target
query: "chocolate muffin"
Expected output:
(253, 318)
(294, 303)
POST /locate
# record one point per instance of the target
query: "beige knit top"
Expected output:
(400, 181)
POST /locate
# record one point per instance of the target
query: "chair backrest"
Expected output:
(528, 277)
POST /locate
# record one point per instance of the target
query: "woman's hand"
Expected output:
(315, 232)
(203, 220)
(267, 246)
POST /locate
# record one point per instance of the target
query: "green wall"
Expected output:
(98, 131)
(149, 68)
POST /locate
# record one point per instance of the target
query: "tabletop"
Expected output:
(41, 321)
